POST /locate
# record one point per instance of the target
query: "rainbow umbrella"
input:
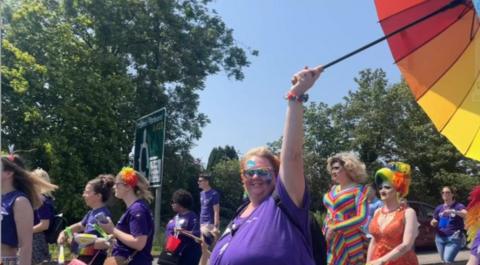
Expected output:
(436, 45)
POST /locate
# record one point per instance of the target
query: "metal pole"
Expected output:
(158, 208)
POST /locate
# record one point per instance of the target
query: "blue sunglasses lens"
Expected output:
(264, 173)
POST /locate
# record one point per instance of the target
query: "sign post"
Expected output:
(148, 155)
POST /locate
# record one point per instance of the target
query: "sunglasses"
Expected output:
(264, 173)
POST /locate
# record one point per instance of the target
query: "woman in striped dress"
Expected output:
(347, 205)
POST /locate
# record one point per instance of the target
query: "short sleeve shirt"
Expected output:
(136, 221)
(207, 200)
(267, 236)
(454, 223)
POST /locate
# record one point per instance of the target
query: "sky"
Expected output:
(289, 34)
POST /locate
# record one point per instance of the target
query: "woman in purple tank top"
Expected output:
(20, 191)
(263, 233)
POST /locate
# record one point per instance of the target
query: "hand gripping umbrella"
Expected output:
(436, 45)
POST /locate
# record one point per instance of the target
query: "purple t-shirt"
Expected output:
(45, 212)
(267, 236)
(207, 200)
(187, 221)
(447, 224)
(136, 221)
(89, 220)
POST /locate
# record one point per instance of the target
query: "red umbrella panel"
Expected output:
(439, 58)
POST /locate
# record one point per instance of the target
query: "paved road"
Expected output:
(429, 257)
(432, 257)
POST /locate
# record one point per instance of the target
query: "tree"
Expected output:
(382, 123)
(226, 179)
(78, 73)
(219, 154)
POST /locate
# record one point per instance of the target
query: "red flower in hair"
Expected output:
(129, 176)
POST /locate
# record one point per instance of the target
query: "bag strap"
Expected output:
(94, 257)
(130, 258)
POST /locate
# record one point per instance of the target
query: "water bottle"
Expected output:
(101, 218)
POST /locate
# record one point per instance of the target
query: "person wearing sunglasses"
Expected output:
(347, 208)
(448, 221)
(185, 228)
(209, 209)
(261, 232)
(394, 226)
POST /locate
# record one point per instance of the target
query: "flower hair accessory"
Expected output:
(129, 176)
(398, 174)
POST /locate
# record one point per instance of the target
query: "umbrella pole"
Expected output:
(453, 4)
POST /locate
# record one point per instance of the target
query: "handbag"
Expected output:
(168, 258)
(79, 262)
(118, 260)
(172, 244)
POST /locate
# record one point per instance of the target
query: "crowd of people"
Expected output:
(272, 226)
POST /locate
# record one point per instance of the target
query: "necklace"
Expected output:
(388, 212)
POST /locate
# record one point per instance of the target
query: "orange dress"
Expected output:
(390, 237)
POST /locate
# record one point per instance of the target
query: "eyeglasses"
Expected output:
(264, 173)
(200, 180)
(446, 192)
(385, 187)
(120, 183)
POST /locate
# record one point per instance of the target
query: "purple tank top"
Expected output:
(9, 229)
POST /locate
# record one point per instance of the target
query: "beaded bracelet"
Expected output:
(301, 98)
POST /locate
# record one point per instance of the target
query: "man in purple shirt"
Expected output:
(209, 208)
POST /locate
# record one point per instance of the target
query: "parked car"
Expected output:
(426, 235)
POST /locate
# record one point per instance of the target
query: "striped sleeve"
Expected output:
(361, 212)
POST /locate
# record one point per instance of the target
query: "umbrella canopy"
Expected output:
(439, 58)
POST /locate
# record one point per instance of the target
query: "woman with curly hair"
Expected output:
(21, 193)
(134, 230)
(394, 227)
(184, 225)
(95, 194)
(347, 205)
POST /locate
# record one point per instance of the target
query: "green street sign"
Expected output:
(149, 146)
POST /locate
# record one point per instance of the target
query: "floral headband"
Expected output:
(129, 176)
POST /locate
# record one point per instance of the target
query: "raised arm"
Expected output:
(291, 157)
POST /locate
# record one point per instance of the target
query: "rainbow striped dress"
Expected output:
(346, 214)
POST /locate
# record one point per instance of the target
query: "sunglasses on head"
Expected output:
(261, 172)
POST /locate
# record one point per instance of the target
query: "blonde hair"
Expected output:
(40, 173)
(142, 187)
(264, 152)
(356, 169)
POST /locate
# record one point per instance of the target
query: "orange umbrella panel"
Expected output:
(440, 60)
